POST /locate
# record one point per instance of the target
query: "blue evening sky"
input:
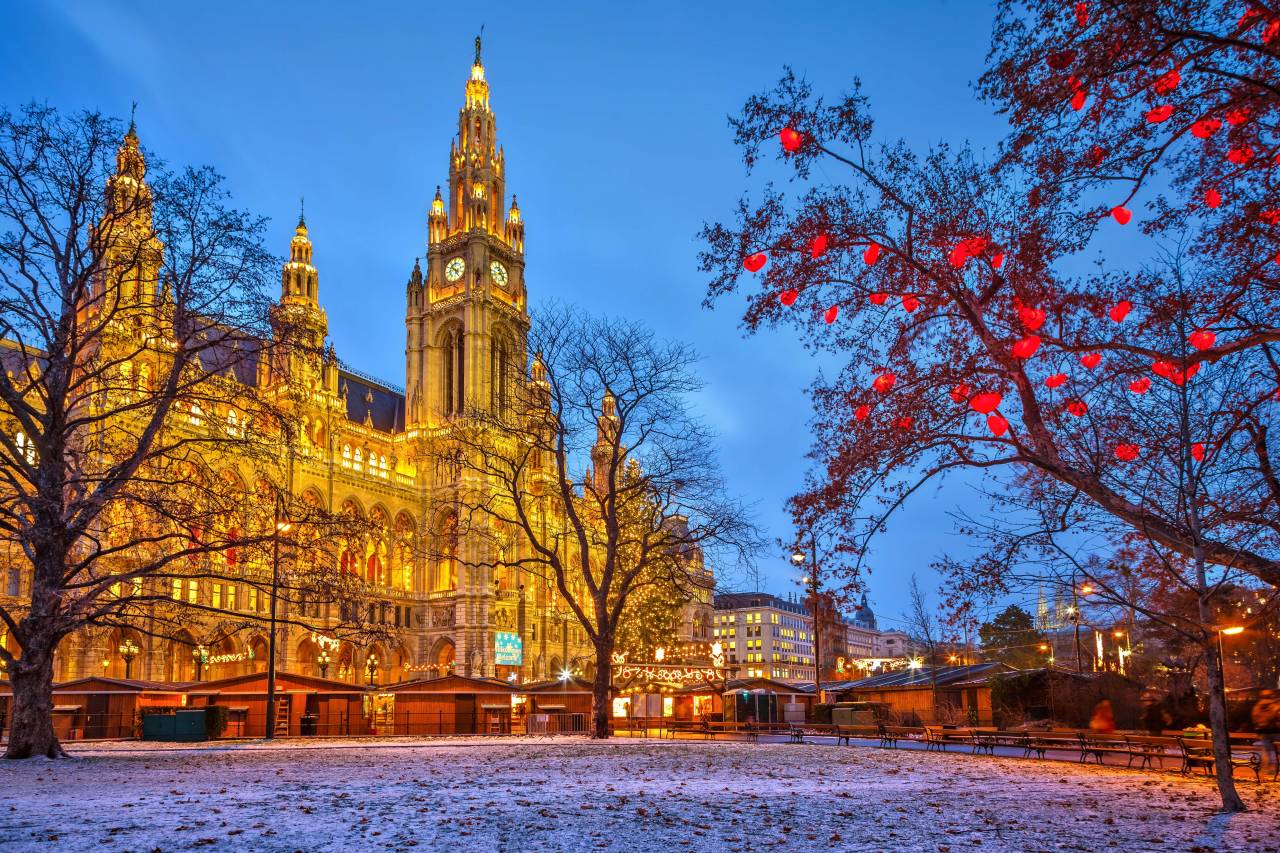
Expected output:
(613, 117)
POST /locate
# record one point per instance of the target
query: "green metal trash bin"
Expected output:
(188, 725)
(157, 726)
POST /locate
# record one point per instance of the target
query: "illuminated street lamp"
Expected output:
(322, 660)
(201, 656)
(1229, 631)
(128, 650)
(372, 666)
(282, 526)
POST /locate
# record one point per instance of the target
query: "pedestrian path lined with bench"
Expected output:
(1140, 751)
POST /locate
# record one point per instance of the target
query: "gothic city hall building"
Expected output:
(440, 601)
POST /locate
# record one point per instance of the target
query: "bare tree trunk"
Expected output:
(601, 700)
(1223, 769)
(31, 722)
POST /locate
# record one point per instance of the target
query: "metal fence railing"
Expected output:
(242, 723)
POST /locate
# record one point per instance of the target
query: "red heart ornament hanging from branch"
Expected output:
(1078, 99)
(818, 247)
(904, 422)
(1237, 116)
(884, 382)
(791, 139)
(788, 296)
(1160, 114)
(1121, 214)
(1205, 127)
(878, 298)
(910, 303)
(1212, 198)
(1077, 408)
(861, 412)
(755, 262)
(986, 402)
(1140, 386)
(998, 425)
(1057, 380)
(1091, 360)
(1032, 318)
(831, 314)
(1126, 452)
(1240, 156)
(1061, 60)
(1197, 451)
(1167, 82)
(1202, 339)
(997, 260)
(1121, 310)
(960, 393)
(871, 254)
(1026, 347)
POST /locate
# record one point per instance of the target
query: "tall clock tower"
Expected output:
(467, 326)
(466, 313)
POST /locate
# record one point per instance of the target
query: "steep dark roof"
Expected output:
(382, 404)
(238, 354)
(926, 676)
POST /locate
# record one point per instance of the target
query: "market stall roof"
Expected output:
(736, 684)
(927, 676)
(555, 685)
(452, 683)
(103, 684)
(256, 682)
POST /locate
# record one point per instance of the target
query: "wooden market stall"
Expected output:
(449, 705)
(927, 695)
(550, 707)
(97, 707)
(305, 704)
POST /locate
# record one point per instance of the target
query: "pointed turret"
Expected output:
(299, 281)
(298, 319)
(476, 191)
(603, 453)
(437, 220)
(514, 232)
(130, 252)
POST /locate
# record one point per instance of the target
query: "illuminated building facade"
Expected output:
(764, 636)
(374, 449)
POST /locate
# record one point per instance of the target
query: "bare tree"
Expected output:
(139, 454)
(599, 476)
(923, 628)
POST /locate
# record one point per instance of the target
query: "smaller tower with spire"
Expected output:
(297, 320)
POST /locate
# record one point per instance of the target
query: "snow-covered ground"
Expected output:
(621, 795)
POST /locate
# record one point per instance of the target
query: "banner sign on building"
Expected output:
(508, 650)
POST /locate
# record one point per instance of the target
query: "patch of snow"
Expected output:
(549, 794)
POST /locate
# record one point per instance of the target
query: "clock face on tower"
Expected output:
(499, 273)
(454, 269)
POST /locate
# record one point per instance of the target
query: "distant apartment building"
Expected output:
(764, 636)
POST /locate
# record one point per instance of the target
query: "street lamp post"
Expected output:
(1222, 658)
(201, 656)
(323, 661)
(372, 666)
(798, 558)
(282, 526)
(128, 650)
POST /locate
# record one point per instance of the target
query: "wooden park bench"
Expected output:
(1042, 742)
(1148, 748)
(845, 733)
(890, 735)
(1198, 752)
(1099, 745)
(934, 739)
(986, 740)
